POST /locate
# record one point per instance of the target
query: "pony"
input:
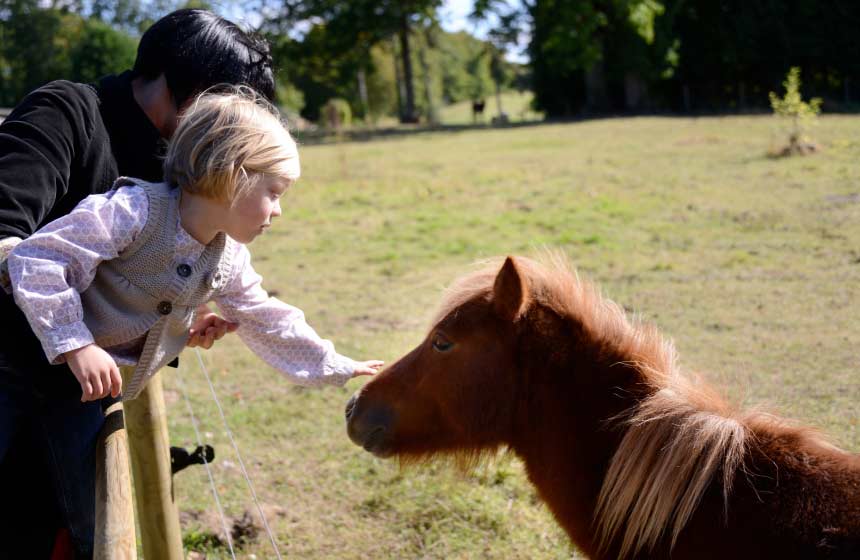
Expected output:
(478, 109)
(634, 458)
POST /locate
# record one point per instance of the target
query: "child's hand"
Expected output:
(96, 371)
(370, 367)
(207, 328)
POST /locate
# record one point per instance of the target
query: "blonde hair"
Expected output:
(226, 141)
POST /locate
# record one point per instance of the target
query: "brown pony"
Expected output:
(634, 459)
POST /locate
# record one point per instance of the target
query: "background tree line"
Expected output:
(685, 55)
(392, 58)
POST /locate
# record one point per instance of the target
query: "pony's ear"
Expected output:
(510, 293)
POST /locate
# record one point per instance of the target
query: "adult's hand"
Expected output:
(207, 328)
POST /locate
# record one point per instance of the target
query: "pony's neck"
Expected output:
(567, 441)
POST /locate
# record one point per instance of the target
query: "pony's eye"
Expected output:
(441, 344)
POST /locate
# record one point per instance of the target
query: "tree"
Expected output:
(101, 50)
(43, 44)
(359, 25)
(32, 47)
(799, 114)
(584, 54)
(318, 66)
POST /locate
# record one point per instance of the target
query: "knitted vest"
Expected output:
(142, 292)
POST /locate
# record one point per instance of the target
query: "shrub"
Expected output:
(799, 114)
(336, 113)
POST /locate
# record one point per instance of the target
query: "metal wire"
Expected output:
(238, 455)
(206, 464)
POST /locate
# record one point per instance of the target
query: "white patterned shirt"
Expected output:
(53, 266)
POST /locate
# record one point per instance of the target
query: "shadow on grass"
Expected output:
(324, 136)
(315, 137)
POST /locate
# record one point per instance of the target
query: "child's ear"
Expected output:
(510, 294)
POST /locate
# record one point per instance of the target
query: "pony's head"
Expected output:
(457, 391)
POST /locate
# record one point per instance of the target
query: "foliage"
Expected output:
(733, 52)
(100, 50)
(585, 51)
(69, 39)
(462, 65)
(43, 44)
(691, 55)
(32, 47)
(800, 114)
(358, 25)
(381, 83)
(318, 69)
(336, 113)
(457, 67)
(311, 67)
(201, 541)
(289, 97)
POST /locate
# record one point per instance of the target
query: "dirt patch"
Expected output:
(843, 199)
(208, 531)
(795, 148)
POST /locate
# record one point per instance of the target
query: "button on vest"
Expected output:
(165, 307)
(183, 270)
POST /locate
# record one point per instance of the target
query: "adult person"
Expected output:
(63, 142)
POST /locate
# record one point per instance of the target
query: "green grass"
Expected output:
(751, 264)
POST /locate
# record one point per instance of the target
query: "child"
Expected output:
(117, 280)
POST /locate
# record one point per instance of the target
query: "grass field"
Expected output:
(752, 266)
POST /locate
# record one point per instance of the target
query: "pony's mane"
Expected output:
(555, 284)
(676, 440)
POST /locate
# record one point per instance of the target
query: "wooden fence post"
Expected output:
(146, 421)
(114, 531)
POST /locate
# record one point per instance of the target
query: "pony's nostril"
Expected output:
(350, 407)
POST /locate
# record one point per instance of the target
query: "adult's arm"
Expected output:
(42, 143)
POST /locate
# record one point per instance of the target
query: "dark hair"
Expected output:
(196, 49)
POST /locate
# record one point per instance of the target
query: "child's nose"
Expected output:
(276, 210)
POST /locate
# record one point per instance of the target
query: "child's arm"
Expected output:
(278, 333)
(49, 269)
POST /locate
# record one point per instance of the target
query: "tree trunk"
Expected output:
(635, 92)
(408, 115)
(362, 95)
(428, 93)
(496, 73)
(398, 78)
(595, 88)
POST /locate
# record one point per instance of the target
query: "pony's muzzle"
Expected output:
(368, 425)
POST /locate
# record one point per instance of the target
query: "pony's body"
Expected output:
(633, 459)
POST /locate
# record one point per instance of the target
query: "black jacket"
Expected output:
(62, 143)
(65, 141)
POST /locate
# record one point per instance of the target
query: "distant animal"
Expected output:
(634, 458)
(478, 109)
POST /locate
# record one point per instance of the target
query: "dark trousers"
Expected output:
(47, 442)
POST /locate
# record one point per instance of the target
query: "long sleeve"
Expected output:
(6, 246)
(53, 266)
(277, 332)
(41, 142)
